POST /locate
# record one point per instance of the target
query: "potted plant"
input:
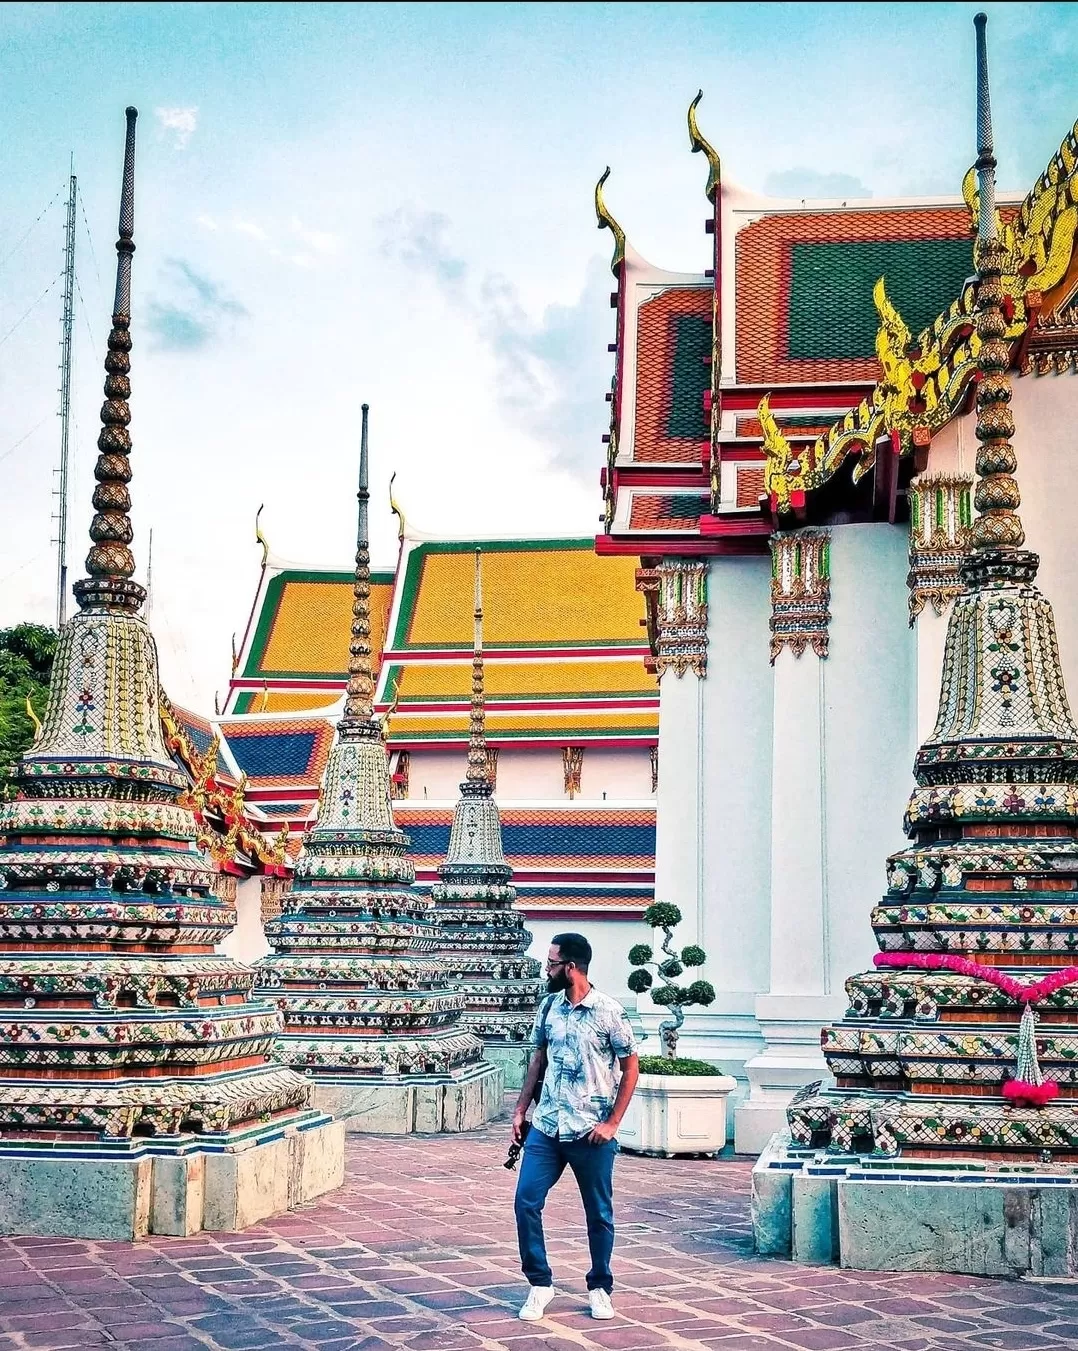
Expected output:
(679, 1106)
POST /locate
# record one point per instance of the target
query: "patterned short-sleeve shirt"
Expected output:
(584, 1043)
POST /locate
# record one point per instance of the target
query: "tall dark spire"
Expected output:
(359, 703)
(997, 496)
(110, 564)
(478, 770)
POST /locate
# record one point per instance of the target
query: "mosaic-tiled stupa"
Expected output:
(369, 1010)
(481, 933)
(950, 1139)
(961, 1041)
(136, 1088)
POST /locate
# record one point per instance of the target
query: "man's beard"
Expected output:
(557, 982)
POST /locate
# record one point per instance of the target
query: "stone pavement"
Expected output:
(418, 1250)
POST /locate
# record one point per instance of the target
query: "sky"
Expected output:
(393, 204)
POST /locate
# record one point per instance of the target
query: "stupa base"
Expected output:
(512, 1057)
(967, 1216)
(421, 1106)
(129, 1189)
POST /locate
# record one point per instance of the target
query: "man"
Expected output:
(579, 1034)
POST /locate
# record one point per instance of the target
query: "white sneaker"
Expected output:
(600, 1304)
(534, 1307)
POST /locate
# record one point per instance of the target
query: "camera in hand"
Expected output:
(515, 1149)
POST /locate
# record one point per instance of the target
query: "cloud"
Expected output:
(181, 122)
(206, 222)
(319, 240)
(804, 183)
(553, 368)
(418, 238)
(195, 311)
(248, 227)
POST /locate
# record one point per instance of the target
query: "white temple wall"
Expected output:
(530, 772)
(610, 940)
(1046, 440)
(435, 775)
(714, 812)
(679, 800)
(247, 941)
(614, 773)
(535, 773)
(870, 736)
(738, 711)
(1045, 412)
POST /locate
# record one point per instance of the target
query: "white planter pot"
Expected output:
(677, 1114)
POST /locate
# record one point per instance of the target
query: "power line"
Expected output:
(89, 237)
(26, 236)
(85, 318)
(25, 437)
(33, 307)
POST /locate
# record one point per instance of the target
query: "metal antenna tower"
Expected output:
(65, 399)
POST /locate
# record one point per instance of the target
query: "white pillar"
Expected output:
(799, 1001)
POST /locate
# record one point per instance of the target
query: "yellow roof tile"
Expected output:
(535, 593)
(433, 681)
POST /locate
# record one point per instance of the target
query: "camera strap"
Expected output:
(537, 1091)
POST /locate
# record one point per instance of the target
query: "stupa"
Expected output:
(481, 934)
(136, 1090)
(950, 1140)
(370, 1014)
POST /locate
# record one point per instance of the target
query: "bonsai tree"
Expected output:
(670, 995)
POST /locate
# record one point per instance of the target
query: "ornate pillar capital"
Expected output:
(940, 539)
(800, 591)
(676, 596)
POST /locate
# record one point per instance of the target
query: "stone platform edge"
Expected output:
(418, 1107)
(969, 1217)
(92, 1195)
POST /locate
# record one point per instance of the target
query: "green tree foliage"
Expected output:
(669, 995)
(26, 653)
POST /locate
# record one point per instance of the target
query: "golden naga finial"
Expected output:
(391, 710)
(209, 760)
(607, 222)
(395, 508)
(699, 143)
(260, 537)
(280, 845)
(33, 718)
(782, 470)
(263, 703)
(235, 655)
(1036, 244)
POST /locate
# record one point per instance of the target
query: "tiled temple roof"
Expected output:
(672, 375)
(566, 859)
(565, 651)
(804, 311)
(299, 633)
(793, 287)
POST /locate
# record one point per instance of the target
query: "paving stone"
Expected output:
(417, 1252)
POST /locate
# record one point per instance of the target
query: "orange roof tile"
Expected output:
(666, 406)
(842, 240)
(669, 511)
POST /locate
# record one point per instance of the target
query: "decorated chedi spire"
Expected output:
(369, 1012)
(125, 1034)
(958, 1045)
(359, 701)
(481, 934)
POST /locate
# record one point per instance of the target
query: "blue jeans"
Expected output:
(593, 1167)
